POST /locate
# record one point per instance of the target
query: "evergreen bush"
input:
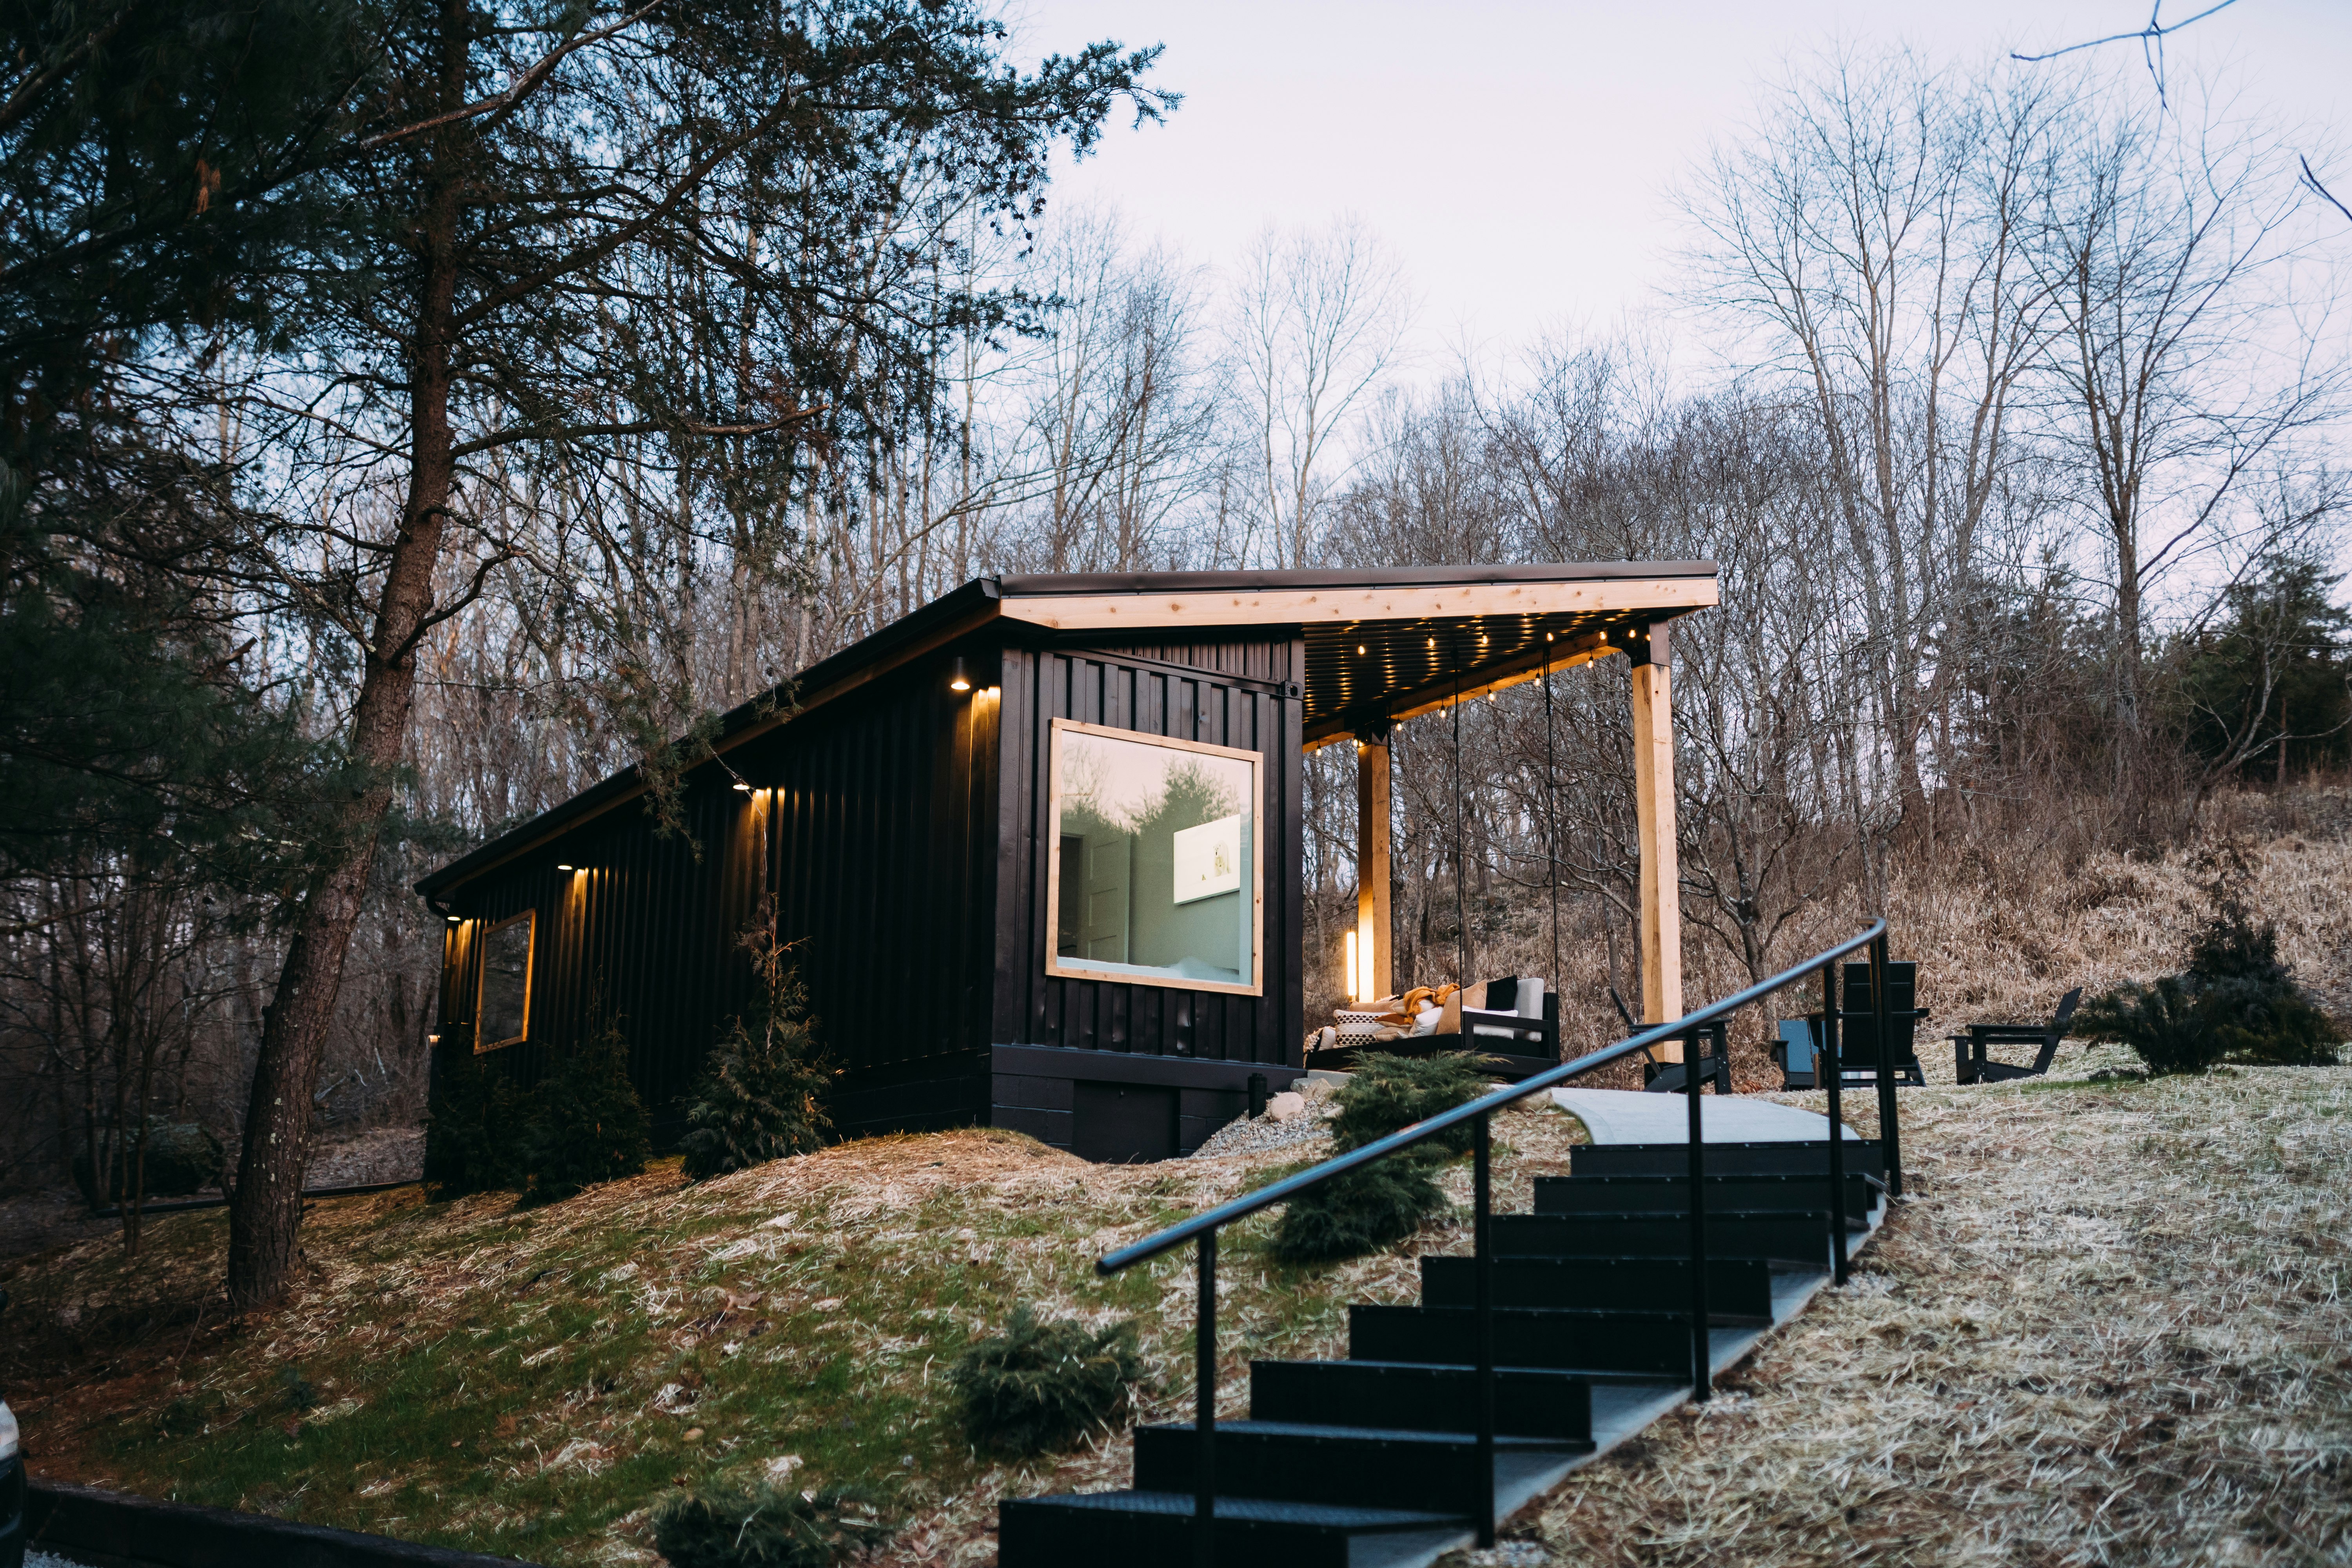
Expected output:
(1041, 1386)
(761, 1095)
(725, 1528)
(2161, 1023)
(1380, 1205)
(2237, 1001)
(1386, 1093)
(469, 1137)
(587, 1125)
(1369, 1208)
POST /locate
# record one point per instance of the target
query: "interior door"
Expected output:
(1110, 871)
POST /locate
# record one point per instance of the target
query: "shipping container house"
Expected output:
(1038, 844)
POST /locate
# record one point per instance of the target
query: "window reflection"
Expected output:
(504, 1016)
(1154, 863)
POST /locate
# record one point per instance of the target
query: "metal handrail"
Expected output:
(1202, 1228)
(1289, 1187)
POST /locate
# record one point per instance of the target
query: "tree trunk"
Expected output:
(266, 1212)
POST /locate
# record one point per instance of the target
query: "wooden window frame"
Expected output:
(482, 977)
(1053, 832)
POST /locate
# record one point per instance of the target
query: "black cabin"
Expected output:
(1039, 843)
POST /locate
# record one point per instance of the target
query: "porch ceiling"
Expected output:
(1366, 677)
(1388, 642)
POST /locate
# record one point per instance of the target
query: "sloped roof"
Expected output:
(1382, 644)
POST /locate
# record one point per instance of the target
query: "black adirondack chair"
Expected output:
(1708, 1048)
(1797, 1052)
(1972, 1065)
(1858, 1023)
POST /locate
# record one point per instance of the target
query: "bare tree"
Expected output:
(1865, 242)
(1318, 319)
(2180, 375)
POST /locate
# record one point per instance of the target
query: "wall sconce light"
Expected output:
(960, 678)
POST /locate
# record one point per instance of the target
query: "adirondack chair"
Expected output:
(1797, 1053)
(1794, 1052)
(1706, 1047)
(1858, 1023)
(1971, 1065)
(1704, 1050)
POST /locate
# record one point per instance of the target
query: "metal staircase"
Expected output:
(1637, 1276)
(1343, 1464)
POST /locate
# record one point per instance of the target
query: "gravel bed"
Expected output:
(1262, 1134)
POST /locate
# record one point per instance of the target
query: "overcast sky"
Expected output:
(1520, 158)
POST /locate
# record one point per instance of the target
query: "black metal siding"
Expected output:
(1231, 691)
(859, 831)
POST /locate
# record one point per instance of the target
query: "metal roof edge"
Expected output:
(740, 723)
(1043, 585)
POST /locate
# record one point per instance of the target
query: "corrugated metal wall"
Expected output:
(636, 933)
(1159, 690)
(860, 829)
(900, 833)
(881, 873)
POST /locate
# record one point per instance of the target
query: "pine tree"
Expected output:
(470, 1142)
(587, 1125)
(762, 1096)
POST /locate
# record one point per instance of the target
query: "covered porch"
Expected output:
(1367, 675)
(1382, 647)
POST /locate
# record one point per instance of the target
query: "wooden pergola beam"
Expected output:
(1653, 815)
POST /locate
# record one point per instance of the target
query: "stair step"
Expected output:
(1568, 1339)
(1530, 1402)
(1302, 1462)
(1145, 1529)
(1671, 1195)
(1723, 1159)
(1786, 1237)
(1735, 1286)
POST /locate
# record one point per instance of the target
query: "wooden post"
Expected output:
(1654, 806)
(1373, 929)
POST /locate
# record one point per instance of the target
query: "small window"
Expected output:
(503, 1017)
(1154, 877)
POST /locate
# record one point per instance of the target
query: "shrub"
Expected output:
(2269, 1026)
(2236, 1001)
(2160, 1022)
(1386, 1093)
(469, 1138)
(1381, 1205)
(587, 1125)
(1369, 1208)
(724, 1528)
(761, 1093)
(1042, 1386)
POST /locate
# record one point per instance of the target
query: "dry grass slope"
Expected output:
(2111, 1327)
(533, 1383)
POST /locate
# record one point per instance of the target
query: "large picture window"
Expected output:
(1154, 877)
(503, 1015)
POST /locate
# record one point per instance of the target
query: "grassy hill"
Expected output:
(2110, 1326)
(532, 1382)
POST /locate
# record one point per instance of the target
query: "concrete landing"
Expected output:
(1629, 1116)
